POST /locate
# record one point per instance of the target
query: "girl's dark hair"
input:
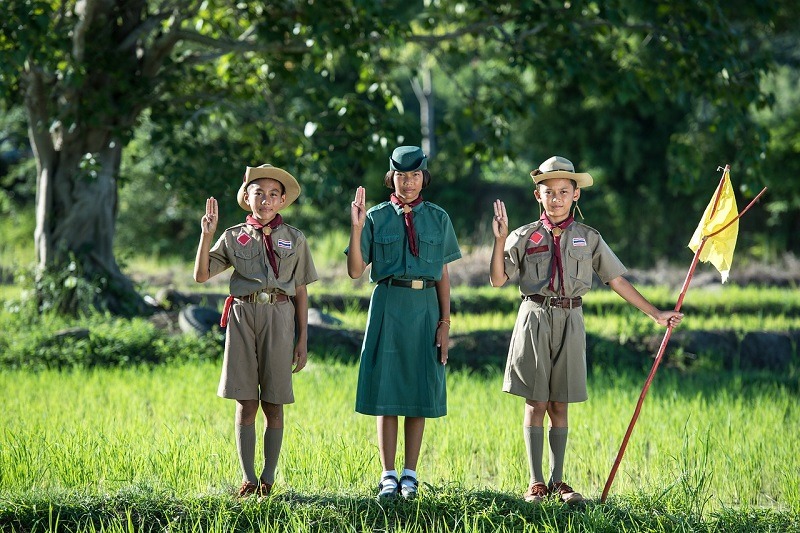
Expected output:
(388, 179)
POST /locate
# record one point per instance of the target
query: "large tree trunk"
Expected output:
(76, 208)
(75, 225)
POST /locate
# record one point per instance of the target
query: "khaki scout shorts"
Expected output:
(259, 346)
(547, 355)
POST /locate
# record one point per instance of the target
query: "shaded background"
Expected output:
(120, 118)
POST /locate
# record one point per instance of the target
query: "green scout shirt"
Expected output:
(529, 251)
(384, 243)
(242, 247)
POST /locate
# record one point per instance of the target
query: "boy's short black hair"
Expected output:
(283, 187)
(388, 179)
(573, 182)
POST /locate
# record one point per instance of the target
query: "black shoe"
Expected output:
(387, 488)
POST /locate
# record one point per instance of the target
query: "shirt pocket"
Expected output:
(579, 266)
(430, 247)
(287, 261)
(537, 265)
(247, 259)
(387, 247)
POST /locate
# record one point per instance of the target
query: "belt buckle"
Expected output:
(265, 298)
(417, 284)
(552, 301)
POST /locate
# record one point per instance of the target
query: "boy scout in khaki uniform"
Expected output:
(555, 257)
(266, 314)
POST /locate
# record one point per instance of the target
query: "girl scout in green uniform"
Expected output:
(555, 257)
(271, 267)
(408, 242)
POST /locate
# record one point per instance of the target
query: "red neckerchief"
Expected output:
(409, 219)
(558, 265)
(266, 230)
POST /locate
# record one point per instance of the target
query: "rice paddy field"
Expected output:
(129, 446)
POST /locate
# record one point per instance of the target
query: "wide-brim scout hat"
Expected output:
(290, 185)
(561, 167)
(408, 159)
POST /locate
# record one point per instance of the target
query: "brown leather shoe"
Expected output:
(565, 492)
(536, 492)
(264, 489)
(248, 489)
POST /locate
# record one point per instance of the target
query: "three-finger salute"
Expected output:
(500, 220)
(208, 224)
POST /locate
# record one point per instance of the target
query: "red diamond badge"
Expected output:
(243, 239)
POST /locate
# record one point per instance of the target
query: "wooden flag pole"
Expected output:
(667, 335)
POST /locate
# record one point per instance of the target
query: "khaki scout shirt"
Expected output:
(384, 243)
(243, 248)
(529, 251)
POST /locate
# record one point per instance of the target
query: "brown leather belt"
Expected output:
(554, 301)
(410, 283)
(263, 297)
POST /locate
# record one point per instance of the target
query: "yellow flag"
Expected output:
(718, 249)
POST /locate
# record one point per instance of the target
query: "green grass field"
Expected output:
(157, 444)
(124, 448)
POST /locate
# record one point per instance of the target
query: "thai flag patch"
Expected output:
(283, 243)
(536, 237)
(578, 241)
(243, 239)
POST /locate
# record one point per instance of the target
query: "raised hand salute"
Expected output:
(500, 220)
(358, 210)
(208, 224)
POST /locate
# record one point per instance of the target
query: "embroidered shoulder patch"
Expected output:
(578, 241)
(536, 237)
(283, 243)
(243, 239)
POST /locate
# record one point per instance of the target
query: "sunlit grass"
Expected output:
(99, 431)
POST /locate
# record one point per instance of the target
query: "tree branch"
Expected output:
(84, 9)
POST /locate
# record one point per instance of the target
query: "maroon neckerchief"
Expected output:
(409, 219)
(558, 265)
(266, 230)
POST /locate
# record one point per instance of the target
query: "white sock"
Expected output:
(389, 473)
(410, 473)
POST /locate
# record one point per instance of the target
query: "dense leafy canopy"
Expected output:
(649, 96)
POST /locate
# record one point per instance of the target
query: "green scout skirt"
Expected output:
(400, 372)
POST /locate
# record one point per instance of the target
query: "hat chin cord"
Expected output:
(576, 208)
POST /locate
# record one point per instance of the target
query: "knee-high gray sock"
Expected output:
(273, 438)
(557, 438)
(534, 444)
(246, 446)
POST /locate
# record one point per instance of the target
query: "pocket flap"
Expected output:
(434, 239)
(387, 238)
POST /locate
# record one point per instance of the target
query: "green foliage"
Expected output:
(56, 291)
(54, 342)
(649, 97)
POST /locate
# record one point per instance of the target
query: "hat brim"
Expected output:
(582, 179)
(290, 185)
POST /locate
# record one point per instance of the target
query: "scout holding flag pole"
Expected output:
(713, 242)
